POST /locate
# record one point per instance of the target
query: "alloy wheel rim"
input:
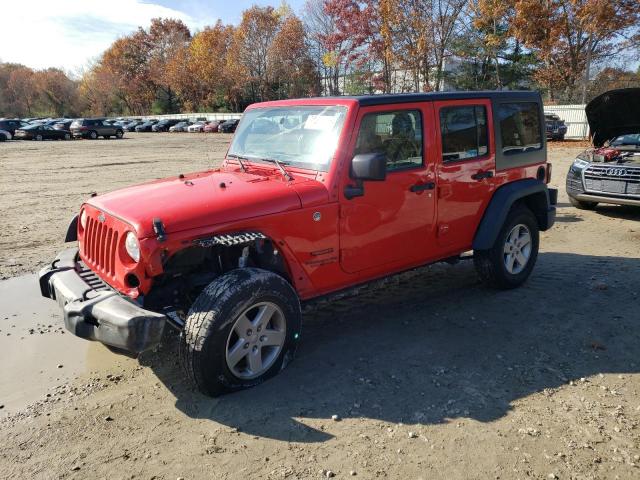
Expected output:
(255, 340)
(517, 249)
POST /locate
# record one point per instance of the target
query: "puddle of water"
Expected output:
(29, 359)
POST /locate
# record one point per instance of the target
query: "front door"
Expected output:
(465, 170)
(392, 222)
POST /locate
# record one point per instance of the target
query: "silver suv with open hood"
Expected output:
(609, 172)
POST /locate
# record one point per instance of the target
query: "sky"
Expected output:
(69, 34)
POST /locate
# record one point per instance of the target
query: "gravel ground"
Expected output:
(430, 375)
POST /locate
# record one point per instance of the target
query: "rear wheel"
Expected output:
(93, 135)
(119, 134)
(67, 136)
(509, 262)
(241, 330)
(582, 205)
(39, 137)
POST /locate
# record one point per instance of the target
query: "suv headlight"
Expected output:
(580, 164)
(132, 246)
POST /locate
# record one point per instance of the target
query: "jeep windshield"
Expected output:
(300, 136)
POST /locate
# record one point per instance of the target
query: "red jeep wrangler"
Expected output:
(314, 196)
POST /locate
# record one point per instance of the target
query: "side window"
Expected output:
(397, 134)
(520, 127)
(464, 132)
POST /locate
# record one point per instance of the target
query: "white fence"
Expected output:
(574, 117)
(189, 116)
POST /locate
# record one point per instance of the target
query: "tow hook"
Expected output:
(158, 227)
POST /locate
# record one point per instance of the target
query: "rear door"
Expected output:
(466, 169)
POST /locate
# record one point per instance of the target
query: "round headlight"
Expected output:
(83, 219)
(132, 246)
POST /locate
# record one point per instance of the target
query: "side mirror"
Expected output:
(369, 166)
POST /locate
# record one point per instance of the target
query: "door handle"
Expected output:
(420, 187)
(482, 175)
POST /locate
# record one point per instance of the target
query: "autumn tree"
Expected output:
(22, 92)
(254, 37)
(568, 36)
(58, 93)
(165, 39)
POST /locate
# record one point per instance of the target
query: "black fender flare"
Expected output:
(536, 196)
(72, 230)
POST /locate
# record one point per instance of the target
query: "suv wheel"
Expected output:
(38, 137)
(509, 262)
(119, 134)
(93, 135)
(582, 205)
(241, 330)
(67, 136)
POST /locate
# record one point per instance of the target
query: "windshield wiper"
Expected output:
(280, 166)
(239, 158)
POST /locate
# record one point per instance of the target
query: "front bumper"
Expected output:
(588, 197)
(101, 314)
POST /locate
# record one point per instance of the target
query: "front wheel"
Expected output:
(67, 136)
(93, 135)
(39, 138)
(241, 330)
(509, 262)
(119, 134)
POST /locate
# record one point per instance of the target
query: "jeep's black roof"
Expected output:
(390, 98)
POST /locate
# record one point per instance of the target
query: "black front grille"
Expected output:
(614, 179)
(91, 278)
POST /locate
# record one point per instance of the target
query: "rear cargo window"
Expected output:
(464, 132)
(397, 134)
(520, 127)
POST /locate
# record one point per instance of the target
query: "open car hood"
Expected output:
(614, 113)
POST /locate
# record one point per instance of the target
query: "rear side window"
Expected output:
(397, 134)
(464, 132)
(520, 127)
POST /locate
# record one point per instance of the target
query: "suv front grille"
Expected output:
(99, 246)
(614, 179)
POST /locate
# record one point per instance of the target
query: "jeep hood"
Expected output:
(205, 199)
(614, 113)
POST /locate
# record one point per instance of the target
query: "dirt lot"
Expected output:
(431, 376)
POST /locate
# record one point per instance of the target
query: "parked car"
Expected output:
(180, 126)
(11, 124)
(4, 135)
(95, 127)
(229, 126)
(41, 132)
(131, 126)
(610, 171)
(146, 126)
(64, 125)
(555, 127)
(197, 127)
(164, 125)
(348, 195)
(211, 127)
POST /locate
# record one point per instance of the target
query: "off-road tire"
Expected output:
(490, 263)
(93, 135)
(203, 342)
(579, 204)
